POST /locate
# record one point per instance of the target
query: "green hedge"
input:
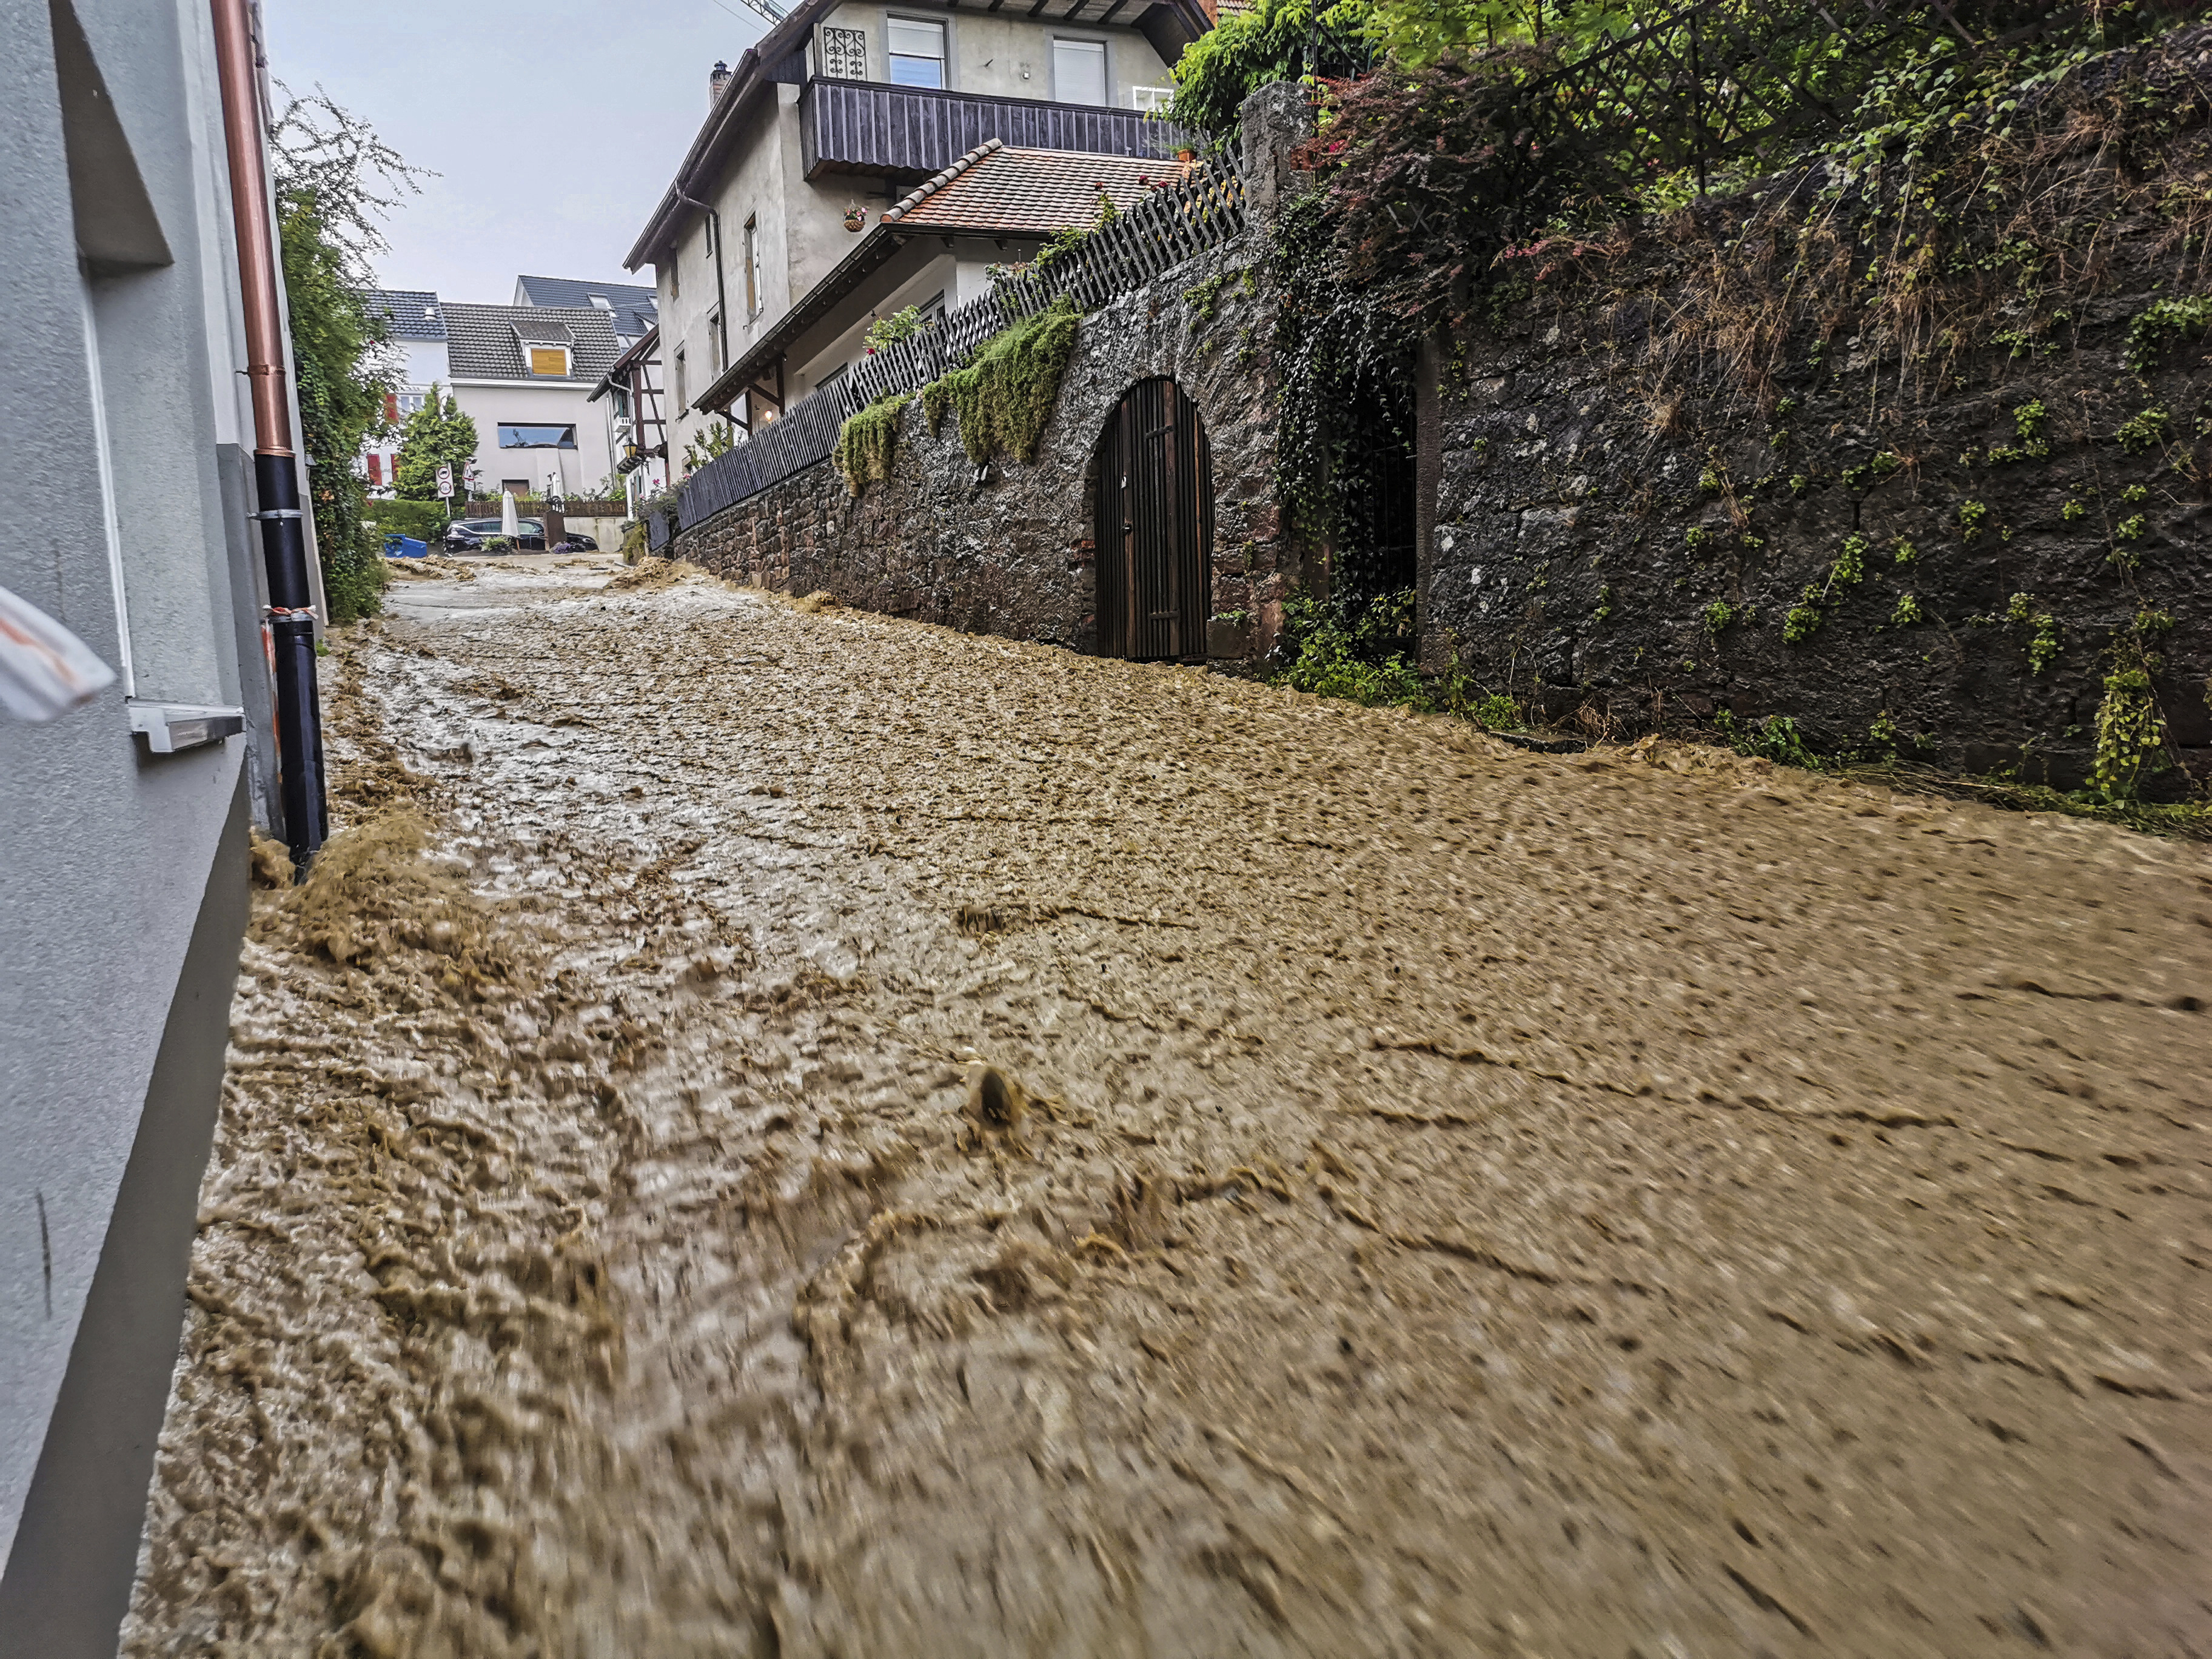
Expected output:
(424, 521)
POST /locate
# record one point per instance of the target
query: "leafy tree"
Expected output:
(713, 439)
(437, 435)
(1248, 50)
(333, 179)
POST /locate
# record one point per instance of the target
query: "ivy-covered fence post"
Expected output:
(1273, 122)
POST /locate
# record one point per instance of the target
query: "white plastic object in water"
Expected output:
(46, 670)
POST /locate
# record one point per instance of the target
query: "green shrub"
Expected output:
(889, 330)
(424, 521)
(2146, 432)
(1776, 739)
(2154, 332)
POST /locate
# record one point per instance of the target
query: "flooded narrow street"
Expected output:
(784, 1131)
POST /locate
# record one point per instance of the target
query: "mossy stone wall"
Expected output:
(1629, 534)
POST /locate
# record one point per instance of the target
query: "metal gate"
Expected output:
(1155, 526)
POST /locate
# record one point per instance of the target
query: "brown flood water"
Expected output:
(1430, 1199)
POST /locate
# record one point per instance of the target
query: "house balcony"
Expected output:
(908, 133)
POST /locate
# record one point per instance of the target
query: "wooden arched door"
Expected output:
(1154, 513)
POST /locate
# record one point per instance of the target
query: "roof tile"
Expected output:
(410, 313)
(484, 342)
(997, 189)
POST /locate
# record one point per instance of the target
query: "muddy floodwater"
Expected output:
(779, 1131)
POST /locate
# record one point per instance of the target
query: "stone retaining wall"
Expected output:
(1006, 551)
(1594, 511)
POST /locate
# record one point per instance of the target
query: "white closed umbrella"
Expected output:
(510, 523)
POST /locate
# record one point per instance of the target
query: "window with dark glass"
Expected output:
(916, 52)
(537, 437)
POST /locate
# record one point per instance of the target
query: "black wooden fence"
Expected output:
(1174, 223)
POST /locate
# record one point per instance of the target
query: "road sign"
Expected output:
(445, 480)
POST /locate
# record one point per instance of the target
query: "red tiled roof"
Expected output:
(996, 189)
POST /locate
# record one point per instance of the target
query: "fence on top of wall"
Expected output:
(1176, 223)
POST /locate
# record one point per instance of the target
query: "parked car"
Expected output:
(469, 535)
(577, 542)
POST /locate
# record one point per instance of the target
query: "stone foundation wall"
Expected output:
(1007, 552)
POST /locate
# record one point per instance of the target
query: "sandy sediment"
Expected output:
(789, 1132)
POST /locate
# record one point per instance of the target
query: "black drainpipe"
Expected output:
(275, 468)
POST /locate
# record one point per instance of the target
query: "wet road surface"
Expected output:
(849, 1139)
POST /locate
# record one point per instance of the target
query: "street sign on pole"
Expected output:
(445, 480)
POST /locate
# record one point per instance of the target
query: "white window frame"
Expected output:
(946, 82)
(1150, 99)
(567, 360)
(1105, 67)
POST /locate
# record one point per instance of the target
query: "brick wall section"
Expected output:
(1563, 563)
(1000, 555)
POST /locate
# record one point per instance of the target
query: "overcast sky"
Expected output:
(554, 125)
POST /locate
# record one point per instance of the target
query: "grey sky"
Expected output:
(554, 124)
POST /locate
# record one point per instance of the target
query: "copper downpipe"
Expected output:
(291, 621)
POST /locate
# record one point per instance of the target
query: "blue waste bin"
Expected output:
(405, 547)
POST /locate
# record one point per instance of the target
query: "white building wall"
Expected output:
(125, 893)
(492, 403)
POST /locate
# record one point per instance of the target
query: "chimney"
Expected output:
(717, 78)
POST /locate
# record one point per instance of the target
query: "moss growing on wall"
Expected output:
(1006, 396)
(868, 442)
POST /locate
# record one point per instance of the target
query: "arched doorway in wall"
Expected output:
(1153, 513)
(1375, 564)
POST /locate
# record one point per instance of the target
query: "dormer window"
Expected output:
(603, 303)
(548, 348)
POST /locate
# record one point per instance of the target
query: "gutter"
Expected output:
(289, 627)
(721, 292)
(643, 351)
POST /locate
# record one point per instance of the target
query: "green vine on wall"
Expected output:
(868, 442)
(1006, 396)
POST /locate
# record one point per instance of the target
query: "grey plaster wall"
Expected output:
(110, 851)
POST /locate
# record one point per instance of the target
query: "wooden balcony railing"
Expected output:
(910, 132)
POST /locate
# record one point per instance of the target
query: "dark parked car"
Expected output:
(577, 542)
(469, 535)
